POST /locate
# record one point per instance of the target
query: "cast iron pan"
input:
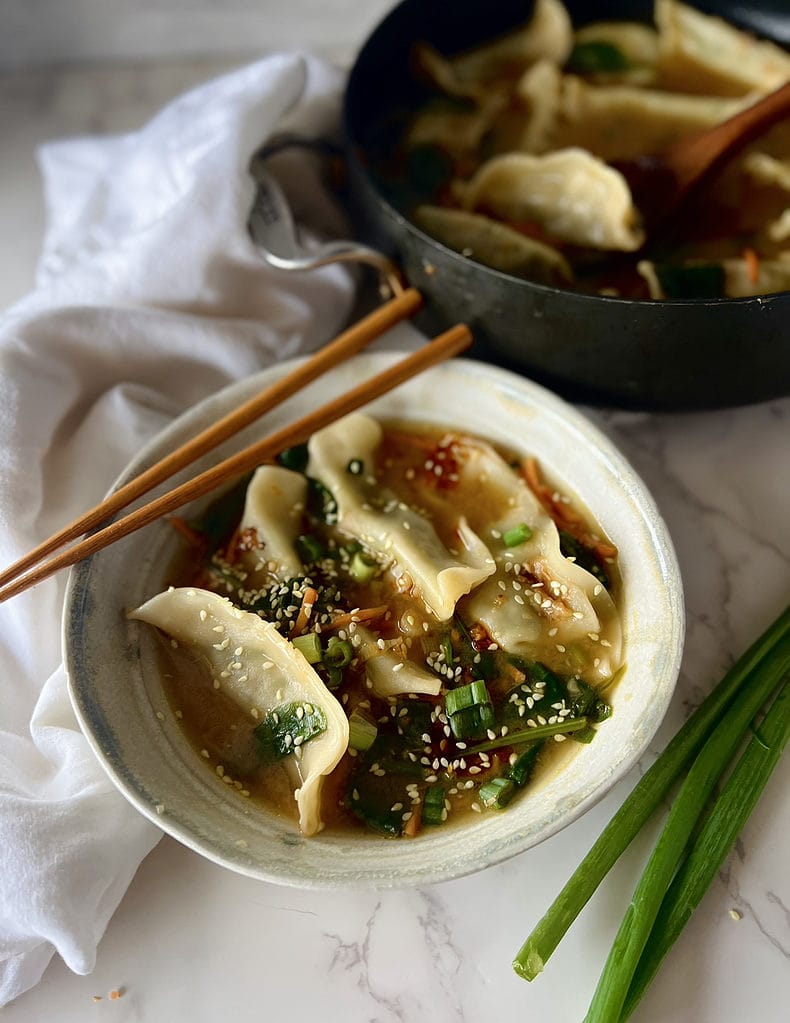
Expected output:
(697, 354)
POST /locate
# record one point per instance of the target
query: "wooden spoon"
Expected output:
(660, 182)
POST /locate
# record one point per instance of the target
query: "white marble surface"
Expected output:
(191, 941)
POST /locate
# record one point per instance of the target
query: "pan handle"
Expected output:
(274, 232)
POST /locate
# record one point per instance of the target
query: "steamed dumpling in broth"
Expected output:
(261, 672)
(387, 526)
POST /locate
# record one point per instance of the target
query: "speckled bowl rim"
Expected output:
(113, 674)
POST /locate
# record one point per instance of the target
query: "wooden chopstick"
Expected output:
(450, 343)
(352, 340)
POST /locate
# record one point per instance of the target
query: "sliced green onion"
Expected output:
(294, 458)
(286, 728)
(473, 722)
(362, 730)
(334, 677)
(309, 645)
(446, 648)
(521, 769)
(496, 793)
(569, 725)
(596, 56)
(356, 467)
(339, 653)
(434, 810)
(714, 840)
(517, 535)
(309, 548)
(765, 655)
(466, 696)
(362, 567)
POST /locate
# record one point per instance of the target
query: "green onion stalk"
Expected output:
(693, 795)
(766, 654)
(714, 841)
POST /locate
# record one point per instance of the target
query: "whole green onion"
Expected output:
(713, 842)
(644, 799)
(704, 773)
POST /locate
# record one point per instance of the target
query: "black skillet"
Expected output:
(697, 354)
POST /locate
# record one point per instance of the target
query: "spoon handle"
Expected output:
(691, 158)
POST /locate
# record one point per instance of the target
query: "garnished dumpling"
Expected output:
(268, 678)
(398, 632)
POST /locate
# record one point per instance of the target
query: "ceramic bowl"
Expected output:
(117, 691)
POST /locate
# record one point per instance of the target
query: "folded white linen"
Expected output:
(150, 296)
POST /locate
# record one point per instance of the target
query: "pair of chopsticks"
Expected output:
(32, 568)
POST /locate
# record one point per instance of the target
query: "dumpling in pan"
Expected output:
(343, 457)
(497, 245)
(548, 34)
(700, 53)
(619, 122)
(261, 671)
(572, 195)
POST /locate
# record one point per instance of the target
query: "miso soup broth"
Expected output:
(399, 628)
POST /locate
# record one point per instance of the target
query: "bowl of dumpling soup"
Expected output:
(418, 645)
(486, 149)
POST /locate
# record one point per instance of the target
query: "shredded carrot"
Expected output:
(192, 536)
(565, 517)
(752, 261)
(364, 614)
(306, 609)
(412, 825)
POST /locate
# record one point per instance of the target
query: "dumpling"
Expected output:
(494, 244)
(259, 670)
(535, 587)
(700, 53)
(392, 531)
(574, 196)
(391, 671)
(539, 90)
(272, 515)
(548, 34)
(620, 122)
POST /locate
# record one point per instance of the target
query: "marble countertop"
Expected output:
(191, 941)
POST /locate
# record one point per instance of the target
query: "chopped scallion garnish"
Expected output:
(568, 726)
(517, 535)
(466, 696)
(434, 810)
(309, 645)
(496, 793)
(309, 548)
(362, 567)
(362, 730)
(338, 653)
(287, 727)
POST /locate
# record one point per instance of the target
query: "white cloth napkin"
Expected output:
(150, 296)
